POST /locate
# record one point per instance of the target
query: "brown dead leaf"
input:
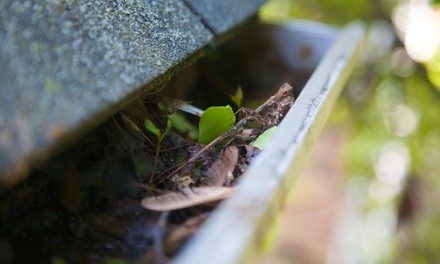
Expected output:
(133, 129)
(186, 198)
(277, 106)
(221, 170)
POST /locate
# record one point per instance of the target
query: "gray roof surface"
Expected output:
(66, 64)
(221, 16)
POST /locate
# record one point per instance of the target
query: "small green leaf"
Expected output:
(111, 260)
(58, 260)
(150, 126)
(215, 121)
(262, 139)
(237, 98)
(167, 130)
(181, 124)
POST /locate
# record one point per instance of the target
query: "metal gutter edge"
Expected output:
(237, 231)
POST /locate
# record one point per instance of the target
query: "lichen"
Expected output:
(67, 62)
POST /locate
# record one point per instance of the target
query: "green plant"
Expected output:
(264, 138)
(237, 97)
(150, 126)
(182, 125)
(215, 121)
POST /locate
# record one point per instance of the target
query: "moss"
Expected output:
(51, 86)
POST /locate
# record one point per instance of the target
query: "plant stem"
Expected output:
(283, 91)
(228, 133)
(156, 157)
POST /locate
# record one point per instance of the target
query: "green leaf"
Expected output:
(262, 139)
(58, 260)
(215, 121)
(111, 260)
(181, 124)
(167, 130)
(150, 126)
(237, 98)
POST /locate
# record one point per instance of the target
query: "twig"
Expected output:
(175, 167)
(219, 139)
(127, 144)
(134, 130)
(156, 157)
(177, 147)
(284, 89)
(190, 109)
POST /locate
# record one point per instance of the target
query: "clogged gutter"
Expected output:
(131, 191)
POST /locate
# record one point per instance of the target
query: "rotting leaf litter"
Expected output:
(135, 189)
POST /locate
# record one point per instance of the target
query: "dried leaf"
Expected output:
(221, 170)
(185, 198)
(277, 106)
(133, 129)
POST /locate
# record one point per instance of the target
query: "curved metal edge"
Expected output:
(236, 232)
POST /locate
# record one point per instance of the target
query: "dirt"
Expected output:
(88, 205)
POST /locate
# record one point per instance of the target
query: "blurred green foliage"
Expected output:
(391, 108)
(433, 70)
(329, 11)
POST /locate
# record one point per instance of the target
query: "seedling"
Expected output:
(264, 138)
(182, 125)
(150, 126)
(278, 103)
(237, 97)
(215, 121)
